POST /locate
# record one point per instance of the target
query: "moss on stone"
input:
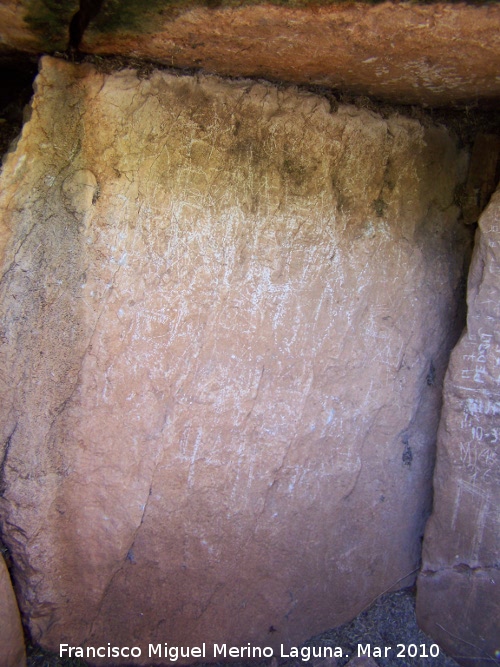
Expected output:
(49, 20)
(134, 15)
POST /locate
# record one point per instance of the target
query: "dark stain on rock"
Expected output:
(407, 453)
(49, 20)
(431, 375)
(89, 9)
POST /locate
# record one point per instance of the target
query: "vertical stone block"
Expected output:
(459, 587)
(227, 312)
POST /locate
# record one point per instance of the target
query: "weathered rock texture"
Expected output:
(12, 653)
(431, 54)
(227, 311)
(434, 54)
(459, 588)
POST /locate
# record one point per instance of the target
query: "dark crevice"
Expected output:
(89, 9)
(4, 550)
(17, 73)
(3, 462)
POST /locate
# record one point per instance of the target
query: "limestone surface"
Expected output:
(459, 587)
(406, 53)
(12, 651)
(437, 54)
(226, 313)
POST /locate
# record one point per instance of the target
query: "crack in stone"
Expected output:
(461, 568)
(14, 263)
(88, 10)
(486, 655)
(254, 399)
(62, 406)
(3, 462)
(128, 558)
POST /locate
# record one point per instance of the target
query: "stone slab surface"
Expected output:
(362, 661)
(459, 588)
(435, 54)
(12, 650)
(226, 315)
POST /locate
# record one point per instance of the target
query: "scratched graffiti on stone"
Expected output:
(462, 541)
(217, 351)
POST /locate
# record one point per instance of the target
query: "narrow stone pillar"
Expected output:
(459, 587)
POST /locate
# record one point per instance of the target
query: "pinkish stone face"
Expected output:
(222, 306)
(431, 54)
(458, 590)
(12, 649)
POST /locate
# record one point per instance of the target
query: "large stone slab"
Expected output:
(405, 53)
(438, 53)
(12, 651)
(459, 587)
(227, 311)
